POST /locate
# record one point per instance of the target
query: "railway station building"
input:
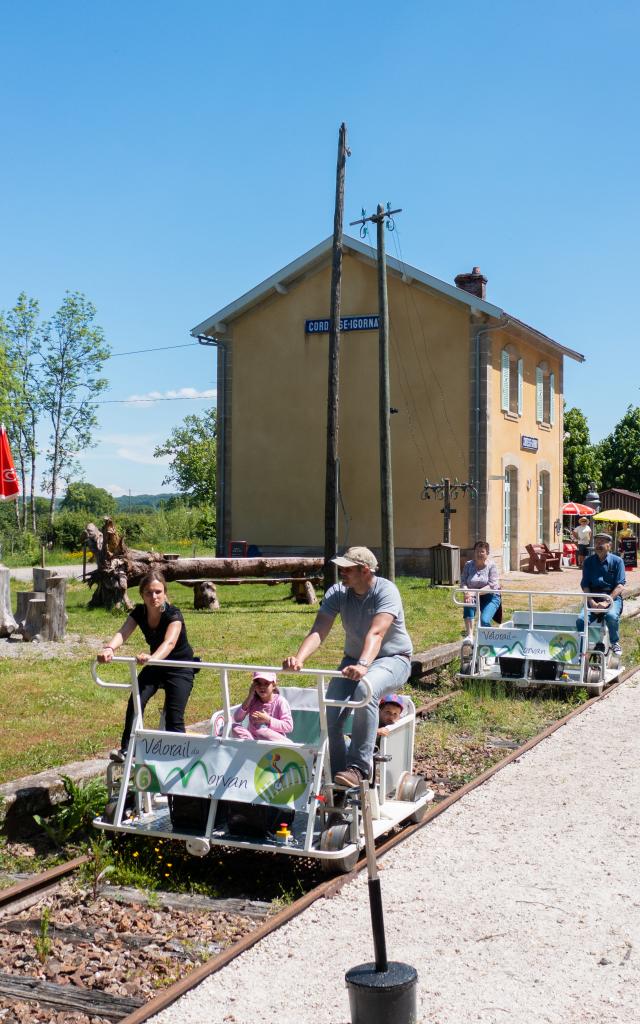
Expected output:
(476, 395)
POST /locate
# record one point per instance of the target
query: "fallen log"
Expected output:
(119, 567)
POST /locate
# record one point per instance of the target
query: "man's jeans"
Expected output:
(385, 675)
(611, 617)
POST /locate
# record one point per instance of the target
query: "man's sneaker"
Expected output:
(350, 778)
(118, 755)
(616, 649)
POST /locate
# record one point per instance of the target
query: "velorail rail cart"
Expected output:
(557, 647)
(213, 789)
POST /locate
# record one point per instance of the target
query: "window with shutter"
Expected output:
(552, 398)
(520, 379)
(504, 374)
(539, 394)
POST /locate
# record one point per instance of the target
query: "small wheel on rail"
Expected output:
(594, 683)
(336, 838)
(412, 788)
(466, 659)
(614, 662)
(109, 813)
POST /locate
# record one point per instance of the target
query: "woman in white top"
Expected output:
(582, 536)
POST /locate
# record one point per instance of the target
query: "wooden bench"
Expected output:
(205, 591)
(542, 559)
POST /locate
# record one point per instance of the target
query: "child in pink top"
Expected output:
(269, 713)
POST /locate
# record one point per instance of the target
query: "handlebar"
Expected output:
(227, 666)
(456, 591)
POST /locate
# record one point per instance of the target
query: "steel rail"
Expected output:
(332, 886)
(40, 881)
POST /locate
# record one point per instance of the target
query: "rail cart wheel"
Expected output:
(412, 788)
(466, 659)
(593, 682)
(614, 662)
(336, 838)
(109, 813)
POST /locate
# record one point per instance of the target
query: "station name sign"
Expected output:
(528, 444)
(370, 322)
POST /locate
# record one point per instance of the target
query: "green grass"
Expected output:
(53, 713)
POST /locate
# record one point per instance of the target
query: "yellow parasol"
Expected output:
(616, 515)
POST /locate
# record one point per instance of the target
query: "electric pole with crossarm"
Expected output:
(379, 218)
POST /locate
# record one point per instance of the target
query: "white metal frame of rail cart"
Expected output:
(538, 647)
(218, 768)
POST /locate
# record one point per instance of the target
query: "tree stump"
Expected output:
(8, 624)
(30, 614)
(55, 615)
(40, 577)
(303, 591)
(205, 594)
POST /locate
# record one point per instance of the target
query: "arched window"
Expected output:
(545, 395)
(511, 374)
(544, 507)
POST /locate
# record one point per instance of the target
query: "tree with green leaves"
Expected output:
(21, 332)
(93, 501)
(619, 453)
(192, 449)
(580, 456)
(74, 350)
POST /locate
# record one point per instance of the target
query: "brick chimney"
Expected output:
(475, 283)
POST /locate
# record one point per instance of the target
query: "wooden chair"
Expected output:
(542, 558)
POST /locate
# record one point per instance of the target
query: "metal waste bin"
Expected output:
(446, 564)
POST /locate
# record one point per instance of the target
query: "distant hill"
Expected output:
(134, 501)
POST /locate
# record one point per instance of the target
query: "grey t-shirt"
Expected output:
(358, 611)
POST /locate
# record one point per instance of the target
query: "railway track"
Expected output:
(182, 963)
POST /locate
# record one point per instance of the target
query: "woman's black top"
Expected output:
(154, 637)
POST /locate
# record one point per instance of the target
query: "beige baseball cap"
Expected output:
(357, 556)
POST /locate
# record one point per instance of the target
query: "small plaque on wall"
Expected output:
(528, 444)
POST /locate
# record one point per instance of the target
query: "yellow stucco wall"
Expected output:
(278, 423)
(504, 447)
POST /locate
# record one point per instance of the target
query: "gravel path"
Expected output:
(25, 573)
(519, 904)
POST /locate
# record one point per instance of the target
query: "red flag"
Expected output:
(9, 486)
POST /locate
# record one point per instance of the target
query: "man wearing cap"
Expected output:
(376, 645)
(603, 573)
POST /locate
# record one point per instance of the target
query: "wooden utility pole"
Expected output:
(333, 382)
(388, 567)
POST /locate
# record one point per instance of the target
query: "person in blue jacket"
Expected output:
(603, 573)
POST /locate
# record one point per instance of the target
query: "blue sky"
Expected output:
(165, 158)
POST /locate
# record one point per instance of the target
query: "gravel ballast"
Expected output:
(519, 904)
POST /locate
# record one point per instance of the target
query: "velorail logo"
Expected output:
(281, 776)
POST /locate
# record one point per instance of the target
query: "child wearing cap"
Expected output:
(268, 712)
(390, 710)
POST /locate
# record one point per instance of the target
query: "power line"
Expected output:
(140, 351)
(137, 401)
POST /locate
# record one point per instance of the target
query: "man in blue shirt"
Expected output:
(603, 573)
